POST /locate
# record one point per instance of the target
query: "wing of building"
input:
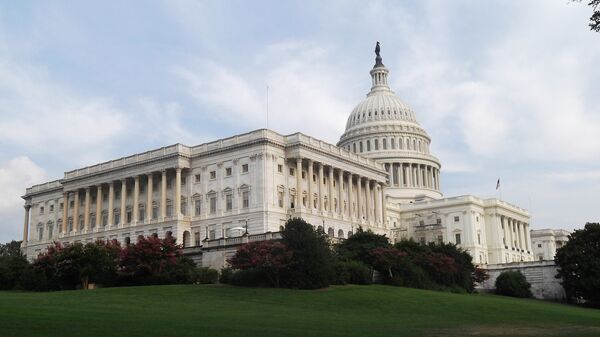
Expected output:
(381, 176)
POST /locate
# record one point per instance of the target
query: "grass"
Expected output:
(212, 310)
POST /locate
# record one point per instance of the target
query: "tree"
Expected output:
(358, 246)
(12, 248)
(12, 265)
(386, 260)
(149, 260)
(579, 265)
(312, 264)
(270, 258)
(513, 283)
(595, 18)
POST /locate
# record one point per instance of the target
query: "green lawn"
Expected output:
(212, 310)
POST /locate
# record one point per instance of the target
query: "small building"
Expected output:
(546, 241)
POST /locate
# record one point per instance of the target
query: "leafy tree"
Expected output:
(358, 246)
(480, 275)
(12, 265)
(386, 260)
(579, 265)
(513, 283)
(269, 257)
(312, 264)
(595, 18)
(149, 261)
(12, 248)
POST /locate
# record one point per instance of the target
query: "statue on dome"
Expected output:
(377, 49)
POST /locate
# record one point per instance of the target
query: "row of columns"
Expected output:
(413, 175)
(516, 234)
(368, 189)
(67, 195)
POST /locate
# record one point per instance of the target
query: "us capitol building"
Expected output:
(212, 197)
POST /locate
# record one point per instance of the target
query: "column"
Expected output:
(409, 175)
(350, 198)
(298, 183)
(76, 211)
(26, 224)
(163, 195)
(377, 215)
(359, 197)
(65, 211)
(149, 187)
(331, 203)
(136, 198)
(123, 201)
(321, 189)
(521, 235)
(177, 196)
(111, 200)
(341, 193)
(384, 208)
(400, 175)
(506, 236)
(86, 210)
(310, 183)
(528, 237)
(368, 200)
(98, 205)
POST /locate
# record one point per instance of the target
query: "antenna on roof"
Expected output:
(267, 106)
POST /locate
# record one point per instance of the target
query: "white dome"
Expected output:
(384, 128)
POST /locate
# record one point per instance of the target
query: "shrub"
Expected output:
(225, 276)
(513, 283)
(249, 278)
(184, 271)
(312, 265)
(352, 272)
(269, 257)
(207, 275)
(11, 271)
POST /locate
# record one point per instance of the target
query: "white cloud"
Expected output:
(15, 175)
(306, 92)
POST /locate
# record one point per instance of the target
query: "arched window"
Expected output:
(349, 234)
(341, 234)
(393, 143)
(320, 229)
(330, 232)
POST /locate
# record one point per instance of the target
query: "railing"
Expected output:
(43, 187)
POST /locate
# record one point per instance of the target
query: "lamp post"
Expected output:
(246, 232)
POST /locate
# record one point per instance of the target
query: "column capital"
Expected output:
(178, 169)
(137, 177)
(27, 207)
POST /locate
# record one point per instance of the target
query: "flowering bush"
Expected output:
(267, 257)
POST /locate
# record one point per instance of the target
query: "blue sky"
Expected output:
(506, 89)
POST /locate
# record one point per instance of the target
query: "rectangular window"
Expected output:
(197, 238)
(213, 205)
(361, 146)
(61, 206)
(42, 210)
(128, 216)
(245, 199)
(478, 238)
(439, 221)
(291, 171)
(155, 212)
(51, 208)
(245, 168)
(104, 220)
(197, 178)
(183, 207)
(368, 145)
(229, 202)
(212, 234)
(40, 233)
(384, 144)
(228, 171)
(456, 219)
(440, 239)
(117, 218)
(457, 236)
(376, 144)
(169, 210)
(71, 204)
(183, 181)
(213, 174)
(141, 214)
(279, 168)
(280, 199)
(197, 207)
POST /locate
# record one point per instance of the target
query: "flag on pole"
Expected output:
(498, 184)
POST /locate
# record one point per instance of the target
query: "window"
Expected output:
(104, 219)
(213, 204)
(183, 207)
(291, 171)
(213, 174)
(183, 181)
(368, 145)
(104, 196)
(354, 147)
(457, 237)
(376, 144)
(116, 218)
(169, 209)
(197, 238)
(81, 222)
(438, 221)
(40, 233)
(361, 146)
(197, 178)
(456, 219)
(539, 245)
(42, 210)
(212, 234)
(71, 204)
(303, 175)
(142, 188)
(245, 168)
(129, 216)
(384, 143)
(477, 218)
(245, 199)
(154, 211)
(61, 206)
(421, 223)
(393, 143)
(197, 207)
(478, 238)
(228, 171)
(141, 213)
(280, 198)
(51, 208)
(440, 239)
(228, 202)
(93, 220)
(279, 168)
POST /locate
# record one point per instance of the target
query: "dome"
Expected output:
(384, 128)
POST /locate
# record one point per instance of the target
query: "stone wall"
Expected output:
(541, 275)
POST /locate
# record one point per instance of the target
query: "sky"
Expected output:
(506, 89)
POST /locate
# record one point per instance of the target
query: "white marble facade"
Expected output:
(380, 176)
(545, 242)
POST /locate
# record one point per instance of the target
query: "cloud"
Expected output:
(306, 91)
(15, 175)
